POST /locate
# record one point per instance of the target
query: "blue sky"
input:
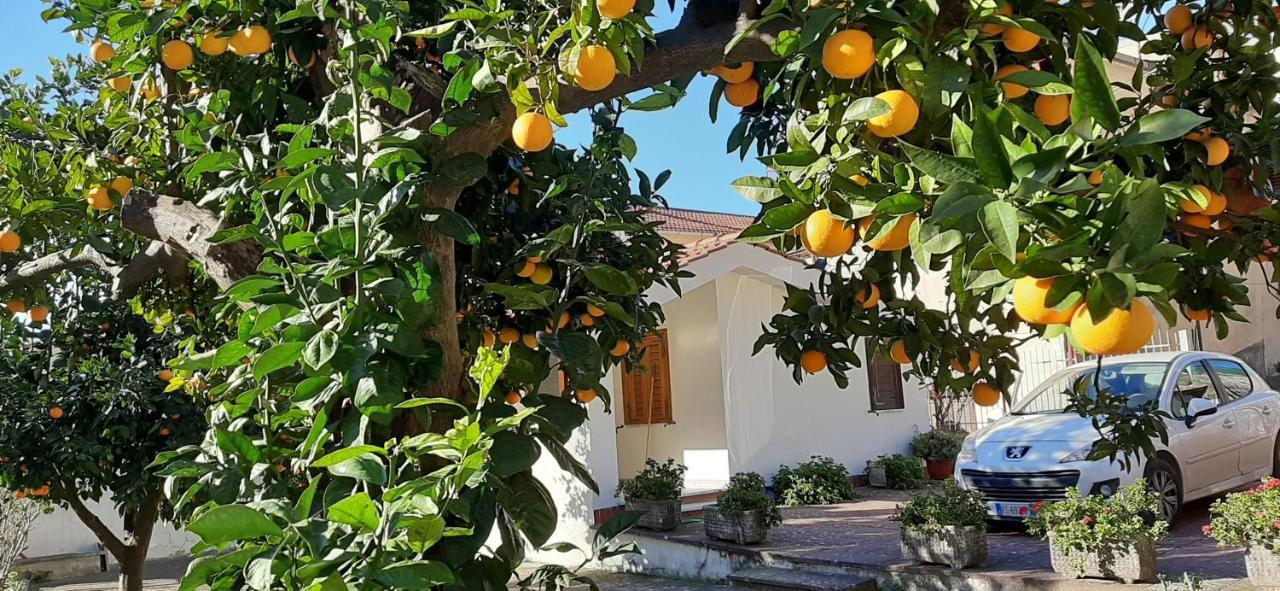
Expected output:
(681, 139)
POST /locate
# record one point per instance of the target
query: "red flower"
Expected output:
(1088, 520)
(1207, 530)
(1023, 511)
(1038, 506)
(1276, 524)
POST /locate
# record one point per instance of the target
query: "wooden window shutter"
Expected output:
(646, 391)
(884, 381)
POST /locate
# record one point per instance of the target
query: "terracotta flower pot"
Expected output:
(940, 469)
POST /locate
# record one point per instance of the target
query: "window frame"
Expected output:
(1223, 389)
(1173, 387)
(667, 414)
(876, 356)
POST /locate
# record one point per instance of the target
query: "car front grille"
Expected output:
(1021, 486)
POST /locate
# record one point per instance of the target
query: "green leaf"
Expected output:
(424, 574)
(1000, 223)
(865, 108)
(524, 297)
(366, 467)
(786, 216)
(1040, 81)
(960, 200)
(758, 188)
(530, 506)
(320, 348)
(610, 279)
(228, 523)
(1145, 219)
(1093, 86)
(344, 454)
(947, 169)
(357, 510)
(578, 350)
(512, 453)
(990, 158)
(298, 158)
(277, 357)
(944, 83)
(1162, 126)
(237, 444)
(451, 224)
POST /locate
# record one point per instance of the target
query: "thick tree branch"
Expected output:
(157, 256)
(39, 269)
(185, 228)
(116, 547)
(683, 51)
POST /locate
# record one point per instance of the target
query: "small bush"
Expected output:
(819, 481)
(746, 492)
(1092, 523)
(937, 445)
(1248, 517)
(901, 472)
(945, 505)
(657, 482)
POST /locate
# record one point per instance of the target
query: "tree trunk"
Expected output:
(131, 564)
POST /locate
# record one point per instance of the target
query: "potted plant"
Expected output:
(896, 471)
(947, 525)
(819, 481)
(938, 449)
(1109, 537)
(743, 513)
(656, 490)
(1251, 519)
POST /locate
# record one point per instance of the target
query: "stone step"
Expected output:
(770, 578)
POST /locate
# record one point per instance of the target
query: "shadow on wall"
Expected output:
(1256, 356)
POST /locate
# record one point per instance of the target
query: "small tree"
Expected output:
(83, 413)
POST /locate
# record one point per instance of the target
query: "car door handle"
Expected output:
(1229, 423)
(1266, 410)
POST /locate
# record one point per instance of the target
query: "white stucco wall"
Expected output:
(61, 532)
(697, 437)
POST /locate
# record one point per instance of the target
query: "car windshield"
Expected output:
(1139, 383)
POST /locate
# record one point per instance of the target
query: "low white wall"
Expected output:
(772, 420)
(61, 532)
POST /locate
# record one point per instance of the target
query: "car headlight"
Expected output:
(1079, 455)
(968, 449)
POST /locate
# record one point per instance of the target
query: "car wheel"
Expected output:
(1164, 480)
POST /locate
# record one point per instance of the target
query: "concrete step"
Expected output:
(771, 578)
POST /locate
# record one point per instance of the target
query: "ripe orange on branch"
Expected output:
(213, 43)
(848, 54)
(177, 55)
(1120, 332)
(253, 40)
(1178, 19)
(742, 94)
(869, 297)
(10, 241)
(901, 118)
(532, 132)
(101, 51)
(1011, 90)
(1030, 302)
(615, 9)
(813, 361)
(595, 68)
(897, 238)
(38, 313)
(985, 395)
(898, 352)
(1053, 109)
(1020, 40)
(826, 235)
(735, 74)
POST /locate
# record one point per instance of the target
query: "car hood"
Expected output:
(1068, 427)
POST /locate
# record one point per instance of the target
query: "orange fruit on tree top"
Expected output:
(1196, 315)
(1121, 332)
(100, 51)
(813, 361)
(17, 305)
(1197, 220)
(1011, 90)
(897, 238)
(1190, 205)
(541, 275)
(1053, 109)
(56, 412)
(254, 40)
(586, 395)
(1178, 19)
(985, 395)
(121, 185)
(825, 235)
(1095, 177)
(595, 68)
(177, 55)
(1218, 150)
(1029, 301)
(530, 340)
(1217, 204)
(898, 352)
(513, 397)
(213, 43)
(100, 199)
(901, 118)
(595, 310)
(165, 375)
(488, 338)
(293, 57)
(508, 335)
(1020, 40)
(742, 94)
(848, 54)
(734, 75)
(970, 365)
(868, 297)
(993, 29)
(620, 348)
(38, 313)
(120, 83)
(1196, 38)
(527, 269)
(532, 132)
(615, 9)
(10, 241)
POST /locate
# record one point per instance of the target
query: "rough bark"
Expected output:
(104, 534)
(185, 228)
(36, 271)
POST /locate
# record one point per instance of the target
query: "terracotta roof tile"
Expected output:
(692, 221)
(701, 248)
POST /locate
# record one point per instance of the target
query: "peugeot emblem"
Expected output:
(1016, 452)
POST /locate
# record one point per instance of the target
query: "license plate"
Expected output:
(1019, 510)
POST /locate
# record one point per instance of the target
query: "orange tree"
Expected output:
(85, 407)
(375, 189)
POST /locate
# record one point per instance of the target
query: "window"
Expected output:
(884, 381)
(1234, 379)
(1193, 382)
(646, 391)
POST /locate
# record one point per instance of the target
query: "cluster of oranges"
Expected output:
(1202, 216)
(103, 198)
(741, 90)
(849, 55)
(824, 234)
(1050, 109)
(178, 55)
(35, 313)
(33, 493)
(1122, 331)
(536, 270)
(591, 67)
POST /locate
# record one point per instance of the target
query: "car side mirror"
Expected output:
(1199, 407)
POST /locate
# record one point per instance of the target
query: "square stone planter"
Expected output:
(954, 546)
(1263, 566)
(661, 515)
(876, 476)
(1129, 562)
(739, 528)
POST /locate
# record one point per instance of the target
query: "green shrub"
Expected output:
(901, 472)
(656, 482)
(1092, 523)
(746, 492)
(944, 505)
(937, 445)
(819, 481)
(1248, 517)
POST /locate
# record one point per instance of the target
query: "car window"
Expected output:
(1139, 383)
(1193, 382)
(1235, 380)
